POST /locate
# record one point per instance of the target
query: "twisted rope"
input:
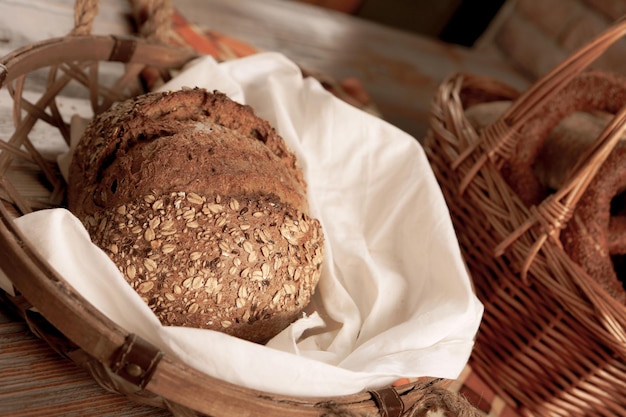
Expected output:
(154, 18)
(85, 12)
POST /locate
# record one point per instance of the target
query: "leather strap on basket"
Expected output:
(389, 402)
(136, 360)
(123, 49)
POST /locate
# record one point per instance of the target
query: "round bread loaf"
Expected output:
(203, 208)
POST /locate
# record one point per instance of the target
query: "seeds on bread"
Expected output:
(203, 208)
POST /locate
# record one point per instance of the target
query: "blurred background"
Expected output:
(534, 35)
(454, 21)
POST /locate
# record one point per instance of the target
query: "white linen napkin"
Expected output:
(394, 299)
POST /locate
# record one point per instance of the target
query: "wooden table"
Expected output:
(35, 381)
(401, 72)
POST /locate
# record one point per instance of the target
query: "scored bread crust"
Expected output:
(203, 208)
(142, 121)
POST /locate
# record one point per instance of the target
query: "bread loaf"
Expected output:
(203, 208)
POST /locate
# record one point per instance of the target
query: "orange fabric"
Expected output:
(191, 37)
(223, 48)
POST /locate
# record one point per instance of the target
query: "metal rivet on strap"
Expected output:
(136, 360)
(134, 370)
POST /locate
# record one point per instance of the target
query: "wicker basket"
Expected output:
(552, 341)
(120, 361)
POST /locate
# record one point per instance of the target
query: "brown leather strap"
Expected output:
(123, 49)
(389, 402)
(136, 360)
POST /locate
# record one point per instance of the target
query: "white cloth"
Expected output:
(394, 299)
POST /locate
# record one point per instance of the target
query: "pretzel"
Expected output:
(595, 236)
(589, 91)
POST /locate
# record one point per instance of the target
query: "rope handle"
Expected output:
(153, 17)
(497, 142)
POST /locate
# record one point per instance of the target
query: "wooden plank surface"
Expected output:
(35, 381)
(400, 70)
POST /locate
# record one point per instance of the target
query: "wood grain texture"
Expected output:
(400, 70)
(36, 381)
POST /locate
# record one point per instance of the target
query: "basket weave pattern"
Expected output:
(552, 341)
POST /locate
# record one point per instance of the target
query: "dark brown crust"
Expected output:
(203, 208)
(148, 118)
(203, 158)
